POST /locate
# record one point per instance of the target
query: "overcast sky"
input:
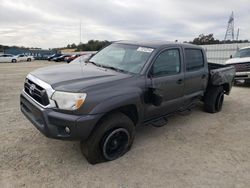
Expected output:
(56, 23)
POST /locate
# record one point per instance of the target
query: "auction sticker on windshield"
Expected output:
(143, 49)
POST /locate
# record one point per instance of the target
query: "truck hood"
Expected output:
(75, 77)
(238, 60)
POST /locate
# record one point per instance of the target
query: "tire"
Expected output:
(247, 81)
(111, 139)
(13, 60)
(214, 98)
(28, 59)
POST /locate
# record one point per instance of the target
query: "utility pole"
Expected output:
(230, 28)
(80, 31)
(238, 32)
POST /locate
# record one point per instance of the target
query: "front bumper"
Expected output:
(52, 124)
(242, 75)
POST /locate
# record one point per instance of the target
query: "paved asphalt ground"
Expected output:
(196, 150)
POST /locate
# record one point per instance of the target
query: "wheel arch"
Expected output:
(130, 105)
(129, 110)
(226, 88)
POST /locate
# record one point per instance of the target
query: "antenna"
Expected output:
(230, 28)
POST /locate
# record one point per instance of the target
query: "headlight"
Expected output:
(68, 101)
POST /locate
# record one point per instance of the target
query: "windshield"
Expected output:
(123, 57)
(243, 53)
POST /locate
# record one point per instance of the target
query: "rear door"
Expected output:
(196, 74)
(167, 80)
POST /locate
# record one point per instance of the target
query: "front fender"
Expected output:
(118, 102)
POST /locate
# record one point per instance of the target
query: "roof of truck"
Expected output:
(156, 44)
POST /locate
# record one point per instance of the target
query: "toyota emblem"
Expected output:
(32, 89)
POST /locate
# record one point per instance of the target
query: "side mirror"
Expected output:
(231, 56)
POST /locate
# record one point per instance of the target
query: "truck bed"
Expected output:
(221, 74)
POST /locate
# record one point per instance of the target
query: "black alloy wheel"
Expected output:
(115, 144)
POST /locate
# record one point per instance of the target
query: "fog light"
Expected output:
(67, 130)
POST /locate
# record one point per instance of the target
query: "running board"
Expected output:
(159, 122)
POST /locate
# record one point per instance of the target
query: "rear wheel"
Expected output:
(247, 81)
(28, 59)
(13, 60)
(214, 99)
(111, 139)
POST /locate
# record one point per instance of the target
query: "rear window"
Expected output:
(194, 59)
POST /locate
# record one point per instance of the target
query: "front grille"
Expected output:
(36, 92)
(242, 67)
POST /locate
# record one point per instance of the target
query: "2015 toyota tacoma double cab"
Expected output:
(126, 84)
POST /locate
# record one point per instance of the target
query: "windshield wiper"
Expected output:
(92, 62)
(113, 68)
(106, 66)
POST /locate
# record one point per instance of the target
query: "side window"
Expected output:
(194, 59)
(167, 63)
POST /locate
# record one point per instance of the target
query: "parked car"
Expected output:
(241, 62)
(53, 56)
(8, 58)
(72, 57)
(124, 85)
(60, 58)
(83, 58)
(23, 57)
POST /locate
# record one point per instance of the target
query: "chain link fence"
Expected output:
(219, 53)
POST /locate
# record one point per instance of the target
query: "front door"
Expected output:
(167, 80)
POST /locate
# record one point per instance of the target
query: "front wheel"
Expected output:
(111, 139)
(13, 60)
(214, 98)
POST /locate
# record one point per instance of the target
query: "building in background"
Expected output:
(39, 54)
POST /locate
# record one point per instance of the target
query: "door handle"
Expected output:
(203, 76)
(179, 81)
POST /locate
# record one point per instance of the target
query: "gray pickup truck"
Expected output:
(127, 84)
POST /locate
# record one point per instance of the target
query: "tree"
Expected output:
(209, 39)
(92, 45)
(73, 46)
(205, 39)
